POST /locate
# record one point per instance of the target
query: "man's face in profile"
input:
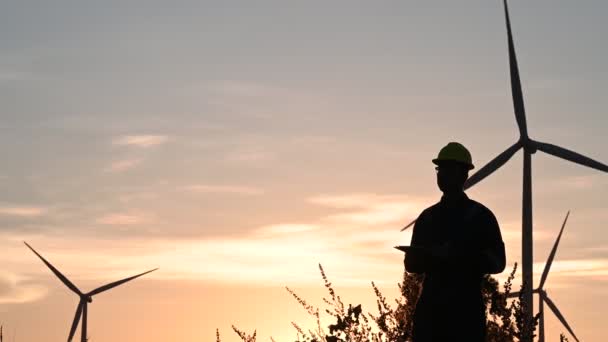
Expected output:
(451, 176)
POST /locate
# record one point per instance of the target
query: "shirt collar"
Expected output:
(455, 199)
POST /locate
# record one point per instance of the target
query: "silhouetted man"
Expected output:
(457, 241)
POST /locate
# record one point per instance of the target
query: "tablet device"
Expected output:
(409, 248)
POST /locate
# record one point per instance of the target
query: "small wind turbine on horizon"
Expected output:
(529, 147)
(85, 298)
(543, 297)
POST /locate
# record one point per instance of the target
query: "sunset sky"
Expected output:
(238, 144)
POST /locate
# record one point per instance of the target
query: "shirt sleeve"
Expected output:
(493, 258)
(414, 262)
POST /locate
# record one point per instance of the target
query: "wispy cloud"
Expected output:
(143, 141)
(354, 241)
(123, 165)
(277, 253)
(289, 252)
(595, 268)
(600, 249)
(287, 228)
(138, 196)
(372, 209)
(121, 219)
(511, 232)
(249, 156)
(16, 289)
(224, 189)
(578, 182)
(22, 211)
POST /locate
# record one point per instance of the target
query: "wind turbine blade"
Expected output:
(408, 225)
(76, 320)
(552, 254)
(516, 92)
(116, 283)
(570, 155)
(61, 277)
(559, 315)
(513, 295)
(492, 166)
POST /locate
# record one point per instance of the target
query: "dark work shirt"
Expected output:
(452, 283)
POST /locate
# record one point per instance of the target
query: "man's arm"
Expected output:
(493, 256)
(414, 260)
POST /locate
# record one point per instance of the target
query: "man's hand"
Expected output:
(416, 259)
(437, 252)
(432, 257)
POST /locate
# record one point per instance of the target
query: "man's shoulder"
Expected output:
(430, 210)
(478, 208)
(478, 205)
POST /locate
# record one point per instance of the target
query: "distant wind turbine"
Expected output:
(542, 294)
(85, 298)
(529, 147)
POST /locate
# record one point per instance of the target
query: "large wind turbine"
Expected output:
(85, 298)
(542, 294)
(529, 147)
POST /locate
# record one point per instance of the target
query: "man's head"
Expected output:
(453, 165)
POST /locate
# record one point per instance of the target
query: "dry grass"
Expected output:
(393, 323)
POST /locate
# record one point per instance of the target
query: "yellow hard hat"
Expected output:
(455, 152)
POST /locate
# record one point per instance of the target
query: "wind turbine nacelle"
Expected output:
(530, 147)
